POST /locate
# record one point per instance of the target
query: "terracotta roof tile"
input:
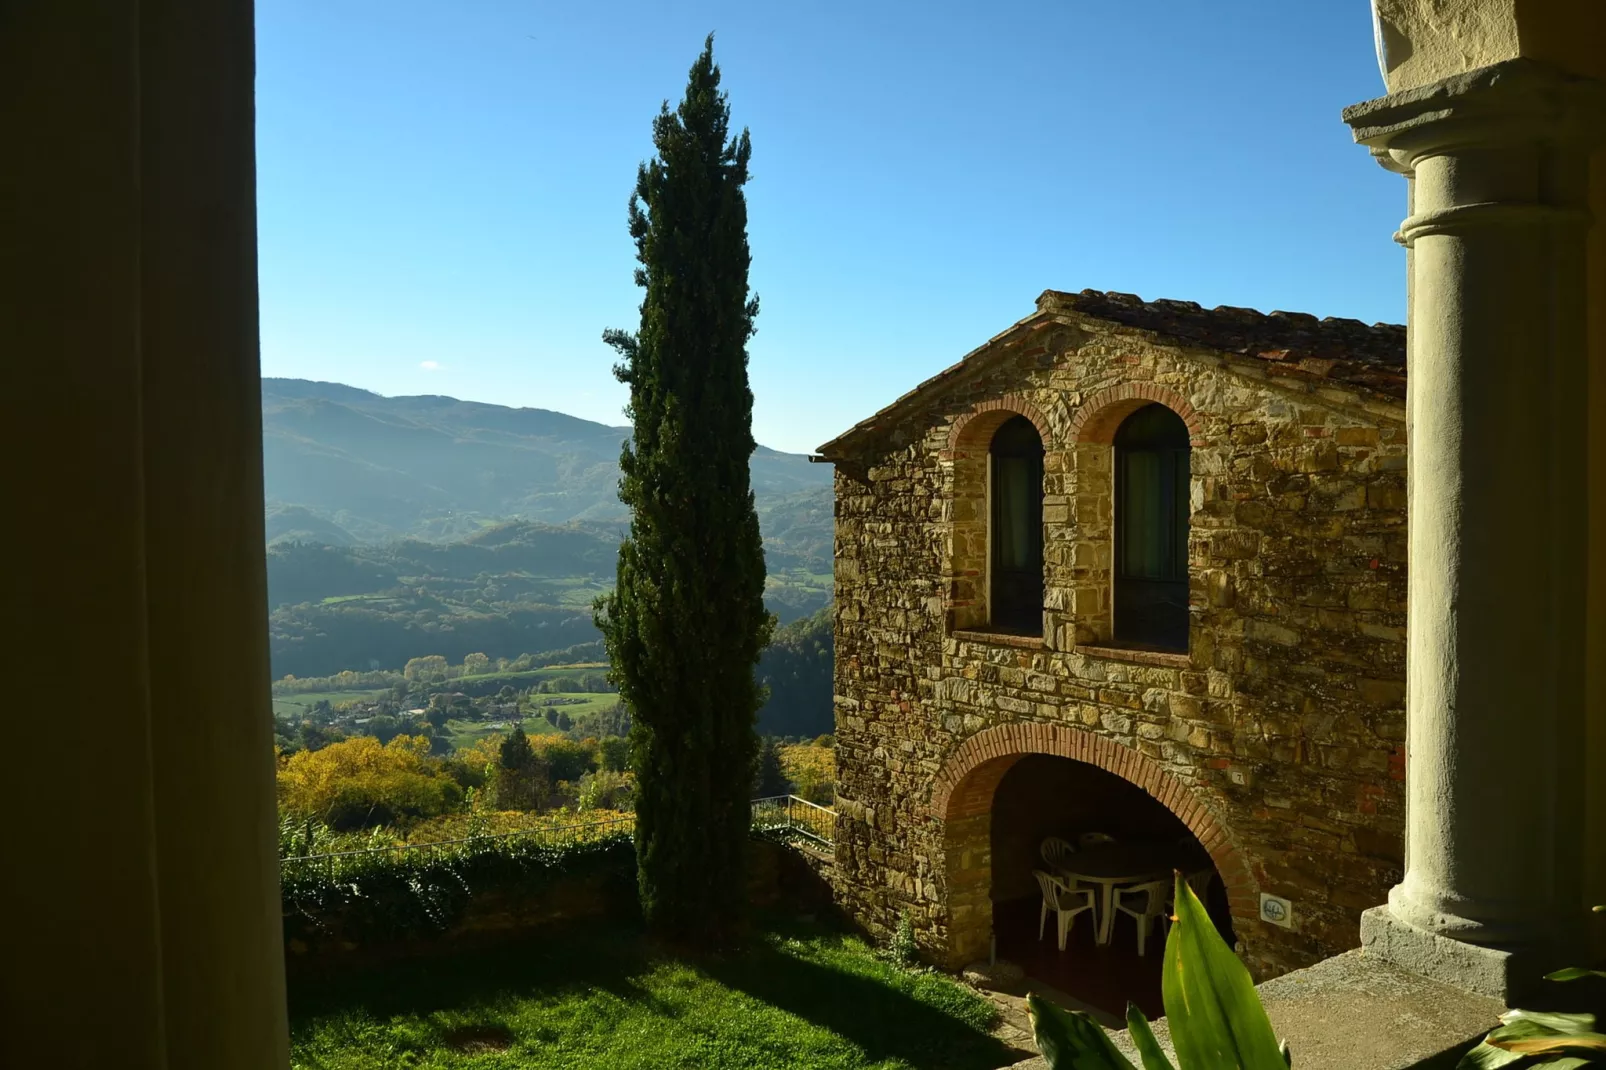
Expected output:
(1344, 351)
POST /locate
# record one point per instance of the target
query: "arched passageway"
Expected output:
(1042, 797)
(1009, 787)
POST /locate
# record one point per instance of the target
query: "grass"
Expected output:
(466, 733)
(296, 706)
(574, 591)
(525, 677)
(598, 996)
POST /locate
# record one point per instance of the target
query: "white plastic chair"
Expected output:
(1094, 839)
(1057, 855)
(1065, 901)
(1151, 908)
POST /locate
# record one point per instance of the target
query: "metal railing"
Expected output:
(790, 816)
(787, 815)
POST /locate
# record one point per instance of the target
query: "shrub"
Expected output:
(605, 790)
(902, 947)
(388, 894)
(360, 782)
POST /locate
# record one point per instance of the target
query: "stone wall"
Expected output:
(1280, 732)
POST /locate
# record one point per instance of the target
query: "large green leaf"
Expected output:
(1216, 1018)
(1573, 973)
(1070, 1040)
(1550, 1021)
(1143, 1037)
(1552, 1045)
(1488, 1057)
(1517, 1024)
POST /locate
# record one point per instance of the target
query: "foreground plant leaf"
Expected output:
(1549, 1021)
(1142, 1036)
(1567, 1042)
(1516, 1025)
(1070, 1040)
(1488, 1057)
(1216, 1018)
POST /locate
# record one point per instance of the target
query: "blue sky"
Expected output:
(442, 186)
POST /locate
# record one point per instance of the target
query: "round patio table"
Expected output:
(1115, 864)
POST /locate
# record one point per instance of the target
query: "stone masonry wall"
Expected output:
(1279, 735)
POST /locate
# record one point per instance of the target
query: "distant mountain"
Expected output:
(297, 523)
(399, 527)
(346, 465)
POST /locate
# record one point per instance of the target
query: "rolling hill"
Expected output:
(400, 527)
(345, 464)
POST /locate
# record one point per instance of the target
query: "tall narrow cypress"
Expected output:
(686, 623)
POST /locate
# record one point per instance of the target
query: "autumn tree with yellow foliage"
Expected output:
(359, 783)
(811, 768)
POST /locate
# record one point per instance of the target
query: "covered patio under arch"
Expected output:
(1008, 788)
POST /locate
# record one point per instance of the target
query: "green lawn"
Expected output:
(597, 996)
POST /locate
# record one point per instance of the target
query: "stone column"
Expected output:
(1498, 164)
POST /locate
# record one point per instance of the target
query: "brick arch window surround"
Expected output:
(1151, 455)
(1131, 444)
(995, 577)
(962, 798)
(1015, 528)
(1100, 415)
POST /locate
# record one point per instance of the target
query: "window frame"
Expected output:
(1165, 630)
(1018, 612)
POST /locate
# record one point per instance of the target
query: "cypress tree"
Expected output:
(686, 622)
(769, 776)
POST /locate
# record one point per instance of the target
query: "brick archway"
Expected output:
(974, 429)
(1098, 417)
(962, 798)
(969, 440)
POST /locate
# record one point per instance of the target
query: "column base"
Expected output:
(1485, 971)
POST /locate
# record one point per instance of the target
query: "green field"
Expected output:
(520, 680)
(294, 707)
(465, 733)
(801, 578)
(574, 591)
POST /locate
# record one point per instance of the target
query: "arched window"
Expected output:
(1151, 529)
(1015, 542)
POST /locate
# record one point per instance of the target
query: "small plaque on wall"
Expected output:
(1276, 910)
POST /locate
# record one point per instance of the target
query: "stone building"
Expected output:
(1128, 545)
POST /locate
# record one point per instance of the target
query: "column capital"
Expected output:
(1519, 101)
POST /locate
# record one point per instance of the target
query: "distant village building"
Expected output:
(1134, 568)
